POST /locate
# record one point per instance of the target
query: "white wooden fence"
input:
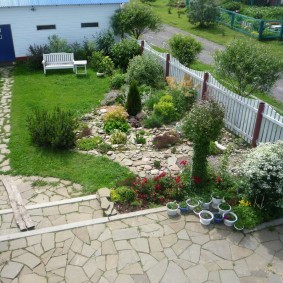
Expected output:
(251, 119)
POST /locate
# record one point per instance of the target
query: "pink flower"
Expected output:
(183, 162)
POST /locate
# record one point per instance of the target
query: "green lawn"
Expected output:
(33, 90)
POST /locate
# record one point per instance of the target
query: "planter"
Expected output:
(197, 210)
(216, 201)
(218, 218)
(224, 208)
(100, 74)
(205, 217)
(238, 226)
(184, 209)
(205, 205)
(230, 218)
(171, 210)
(191, 205)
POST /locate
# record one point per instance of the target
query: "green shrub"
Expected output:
(232, 6)
(118, 137)
(203, 12)
(140, 139)
(103, 147)
(88, 143)
(153, 99)
(55, 129)
(203, 125)
(145, 70)
(123, 194)
(112, 125)
(123, 51)
(117, 81)
(263, 171)
(104, 42)
(249, 216)
(185, 48)
(101, 63)
(85, 51)
(183, 102)
(153, 121)
(133, 100)
(165, 109)
(57, 44)
(35, 57)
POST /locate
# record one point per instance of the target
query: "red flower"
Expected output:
(163, 174)
(196, 179)
(183, 162)
(218, 179)
(177, 179)
(157, 186)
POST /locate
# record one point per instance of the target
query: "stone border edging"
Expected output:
(80, 224)
(265, 225)
(53, 203)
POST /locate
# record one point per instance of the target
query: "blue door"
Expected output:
(7, 52)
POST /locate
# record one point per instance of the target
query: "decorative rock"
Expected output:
(104, 202)
(103, 192)
(108, 212)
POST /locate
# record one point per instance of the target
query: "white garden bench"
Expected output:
(58, 61)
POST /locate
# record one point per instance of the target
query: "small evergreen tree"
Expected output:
(133, 100)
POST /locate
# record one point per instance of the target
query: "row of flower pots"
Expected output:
(201, 209)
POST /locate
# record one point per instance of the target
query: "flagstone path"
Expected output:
(148, 248)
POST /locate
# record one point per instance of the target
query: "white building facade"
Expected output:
(27, 22)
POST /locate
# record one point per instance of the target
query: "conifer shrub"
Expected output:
(55, 129)
(133, 104)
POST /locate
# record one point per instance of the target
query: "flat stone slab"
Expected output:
(104, 192)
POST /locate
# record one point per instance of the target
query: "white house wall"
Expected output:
(67, 19)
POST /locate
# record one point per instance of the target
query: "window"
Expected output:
(46, 27)
(89, 25)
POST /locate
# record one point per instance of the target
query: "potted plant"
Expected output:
(218, 218)
(192, 203)
(205, 202)
(183, 207)
(239, 225)
(224, 207)
(217, 198)
(205, 217)
(230, 218)
(172, 208)
(197, 210)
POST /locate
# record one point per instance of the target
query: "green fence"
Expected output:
(260, 29)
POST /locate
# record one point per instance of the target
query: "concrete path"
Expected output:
(149, 248)
(161, 38)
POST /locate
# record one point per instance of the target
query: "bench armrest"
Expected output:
(43, 62)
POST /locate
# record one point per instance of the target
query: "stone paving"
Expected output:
(5, 103)
(55, 215)
(151, 248)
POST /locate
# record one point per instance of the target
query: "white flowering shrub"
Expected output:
(263, 171)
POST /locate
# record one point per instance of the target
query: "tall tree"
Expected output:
(135, 20)
(247, 66)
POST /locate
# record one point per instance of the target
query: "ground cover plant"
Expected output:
(33, 91)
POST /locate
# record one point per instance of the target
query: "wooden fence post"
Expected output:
(204, 86)
(167, 71)
(142, 46)
(258, 123)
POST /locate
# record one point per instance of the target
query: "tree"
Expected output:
(135, 20)
(202, 126)
(248, 66)
(133, 104)
(184, 48)
(203, 12)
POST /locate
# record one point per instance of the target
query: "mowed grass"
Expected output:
(33, 90)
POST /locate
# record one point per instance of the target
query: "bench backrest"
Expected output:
(58, 58)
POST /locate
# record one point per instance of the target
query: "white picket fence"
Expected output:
(240, 112)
